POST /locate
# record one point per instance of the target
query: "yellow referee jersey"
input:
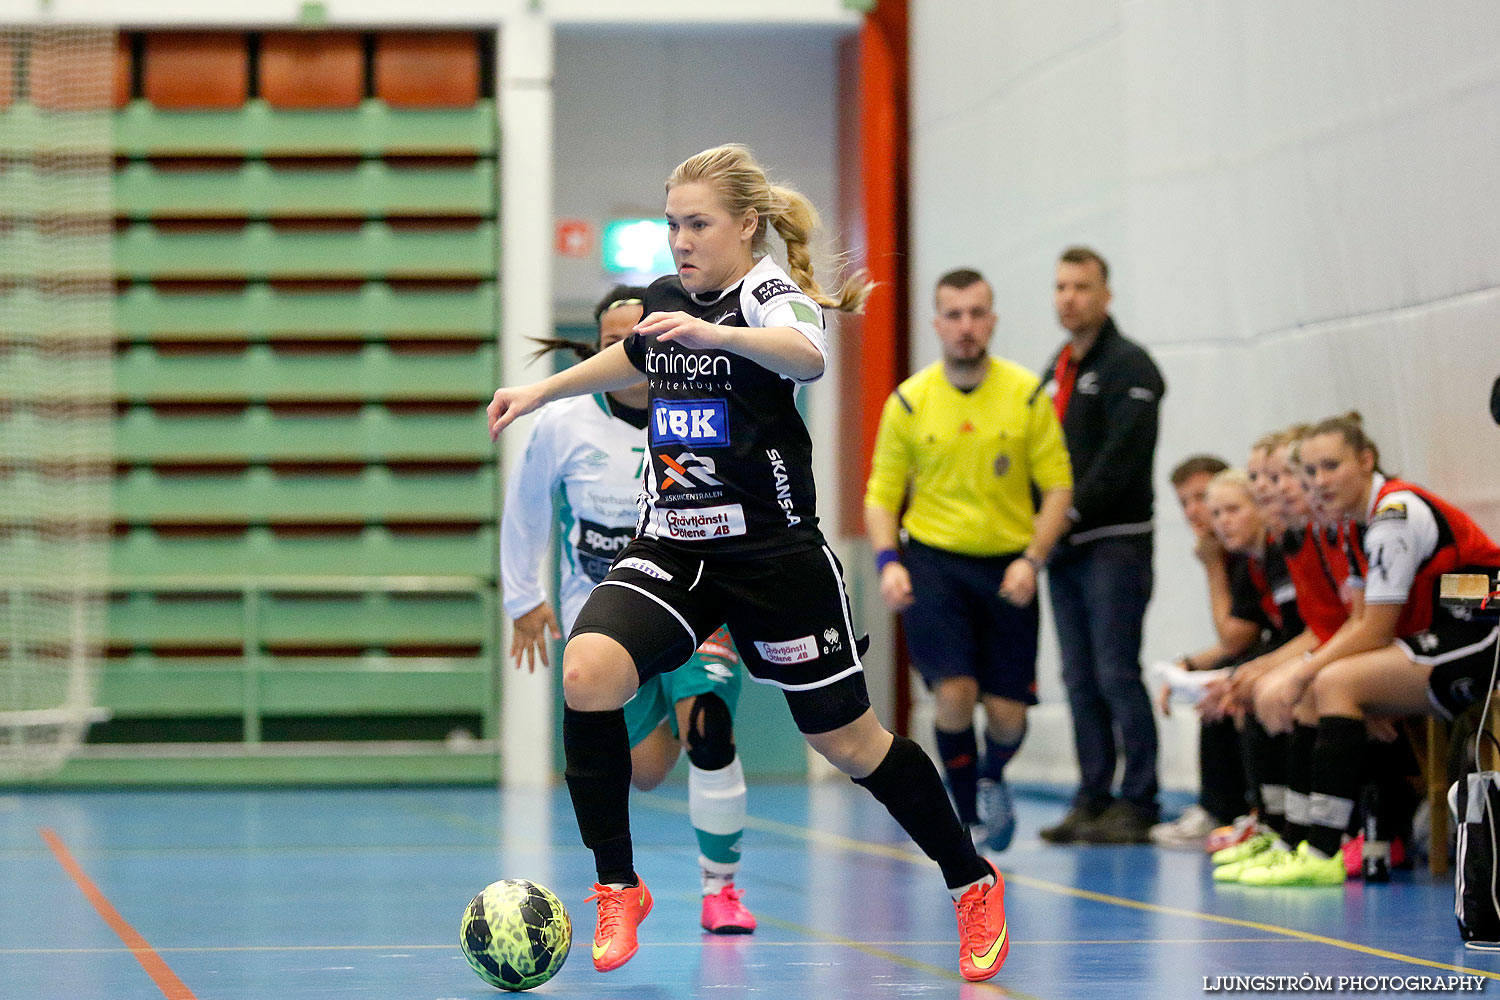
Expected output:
(970, 458)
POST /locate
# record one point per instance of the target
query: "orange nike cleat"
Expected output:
(983, 937)
(620, 913)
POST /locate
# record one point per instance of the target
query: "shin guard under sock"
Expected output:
(1336, 779)
(597, 748)
(1299, 756)
(716, 806)
(907, 784)
(997, 755)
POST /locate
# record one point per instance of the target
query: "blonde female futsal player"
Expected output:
(728, 533)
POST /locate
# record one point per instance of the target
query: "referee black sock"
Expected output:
(960, 754)
(597, 748)
(907, 784)
(997, 755)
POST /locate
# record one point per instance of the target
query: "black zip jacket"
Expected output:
(1111, 428)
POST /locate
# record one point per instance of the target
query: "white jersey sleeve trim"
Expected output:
(1401, 536)
(769, 298)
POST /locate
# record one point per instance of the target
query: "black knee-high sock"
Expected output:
(1265, 768)
(960, 754)
(1389, 768)
(597, 748)
(1221, 771)
(997, 755)
(908, 786)
(1337, 775)
(1299, 757)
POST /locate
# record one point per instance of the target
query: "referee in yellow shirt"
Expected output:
(963, 441)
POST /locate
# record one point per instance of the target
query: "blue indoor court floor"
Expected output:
(287, 894)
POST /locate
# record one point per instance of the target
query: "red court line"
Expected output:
(161, 974)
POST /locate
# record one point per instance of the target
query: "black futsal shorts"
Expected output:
(789, 617)
(1462, 657)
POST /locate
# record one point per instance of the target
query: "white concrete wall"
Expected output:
(1298, 202)
(632, 103)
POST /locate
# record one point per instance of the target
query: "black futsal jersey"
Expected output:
(730, 470)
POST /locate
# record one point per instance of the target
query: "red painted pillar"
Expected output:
(873, 174)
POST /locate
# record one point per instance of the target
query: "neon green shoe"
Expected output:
(1233, 872)
(1301, 868)
(1247, 848)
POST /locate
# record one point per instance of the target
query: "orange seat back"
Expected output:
(427, 69)
(301, 70)
(196, 71)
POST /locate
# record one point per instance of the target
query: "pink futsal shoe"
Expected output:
(723, 913)
(620, 913)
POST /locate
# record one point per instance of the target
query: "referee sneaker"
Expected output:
(964, 441)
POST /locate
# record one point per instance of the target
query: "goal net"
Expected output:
(55, 386)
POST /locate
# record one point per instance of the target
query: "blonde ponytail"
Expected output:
(795, 220)
(742, 185)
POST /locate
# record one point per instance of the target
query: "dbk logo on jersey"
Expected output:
(702, 422)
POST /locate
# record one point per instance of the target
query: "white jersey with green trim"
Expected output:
(579, 446)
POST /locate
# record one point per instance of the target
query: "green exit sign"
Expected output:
(637, 246)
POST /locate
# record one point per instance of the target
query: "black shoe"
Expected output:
(1077, 818)
(1124, 822)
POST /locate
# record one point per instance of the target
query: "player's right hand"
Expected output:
(530, 634)
(509, 404)
(895, 587)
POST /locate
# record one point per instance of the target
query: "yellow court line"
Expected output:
(901, 854)
(864, 948)
(1174, 911)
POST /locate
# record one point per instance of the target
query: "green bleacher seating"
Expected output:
(369, 432)
(257, 190)
(304, 498)
(146, 373)
(258, 130)
(373, 310)
(260, 251)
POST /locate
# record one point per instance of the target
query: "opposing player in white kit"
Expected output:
(591, 448)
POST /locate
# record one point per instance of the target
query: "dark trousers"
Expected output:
(1099, 594)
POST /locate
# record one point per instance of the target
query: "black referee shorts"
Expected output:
(788, 615)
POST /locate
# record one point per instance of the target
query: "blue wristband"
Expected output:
(884, 558)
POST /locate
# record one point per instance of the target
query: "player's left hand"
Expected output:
(680, 328)
(1019, 585)
(530, 634)
(1278, 696)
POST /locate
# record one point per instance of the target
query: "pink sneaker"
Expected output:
(1354, 855)
(723, 913)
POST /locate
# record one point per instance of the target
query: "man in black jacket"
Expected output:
(1108, 392)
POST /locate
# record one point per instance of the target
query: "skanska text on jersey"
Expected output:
(783, 486)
